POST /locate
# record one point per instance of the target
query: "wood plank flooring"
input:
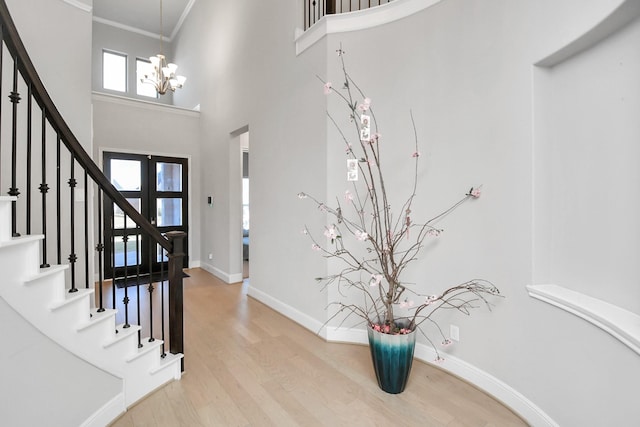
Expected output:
(246, 365)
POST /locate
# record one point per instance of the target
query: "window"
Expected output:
(114, 71)
(143, 66)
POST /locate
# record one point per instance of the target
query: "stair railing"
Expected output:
(314, 10)
(72, 228)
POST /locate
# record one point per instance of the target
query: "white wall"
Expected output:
(135, 46)
(465, 70)
(130, 126)
(62, 57)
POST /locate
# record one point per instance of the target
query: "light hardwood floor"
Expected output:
(246, 365)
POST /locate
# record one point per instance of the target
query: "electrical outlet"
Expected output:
(210, 256)
(454, 332)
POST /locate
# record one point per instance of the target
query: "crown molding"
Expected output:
(130, 28)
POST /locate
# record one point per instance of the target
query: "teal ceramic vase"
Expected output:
(392, 356)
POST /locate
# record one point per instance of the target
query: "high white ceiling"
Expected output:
(143, 16)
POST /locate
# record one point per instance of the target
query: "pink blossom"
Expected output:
(376, 328)
(348, 196)
(327, 88)
(447, 342)
(366, 103)
(315, 247)
(474, 192)
(416, 154)
(331, 233)
(362, 235)
(304, 231)
(302, 196)
(439, 360)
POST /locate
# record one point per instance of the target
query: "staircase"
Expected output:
(70, 319)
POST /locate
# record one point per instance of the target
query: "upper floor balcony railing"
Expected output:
(314, 10)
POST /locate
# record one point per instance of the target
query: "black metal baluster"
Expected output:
(44, 189)
(125, 300)
(72, 256)
(86, 229)
(58, 207)
(138, 283)
(29, 118)
(13, 191)
(315, 11)
(162, 300)
(113, 254)
(150, 288)
(100, 250)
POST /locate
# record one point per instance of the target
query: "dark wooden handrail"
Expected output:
(15, 46)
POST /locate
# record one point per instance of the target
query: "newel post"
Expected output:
(176, 260)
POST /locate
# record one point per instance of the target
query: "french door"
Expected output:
(157, 187)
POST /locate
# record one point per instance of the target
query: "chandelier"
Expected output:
(160, 74)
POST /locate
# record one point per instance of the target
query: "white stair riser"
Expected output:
(20, 261)
(5, 219)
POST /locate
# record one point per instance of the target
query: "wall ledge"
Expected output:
(617, 321)
(358, 20)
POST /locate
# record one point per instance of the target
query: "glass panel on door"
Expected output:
(118, 214)
(168, 177)
(169, 212)
(126, 175)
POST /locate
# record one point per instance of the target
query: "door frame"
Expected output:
(188, 157)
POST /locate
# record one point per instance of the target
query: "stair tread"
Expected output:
(169, 360)
(97, 317)
(21, 240)
(147, 347)
(70, 298)
(44, 272)
(122, 334)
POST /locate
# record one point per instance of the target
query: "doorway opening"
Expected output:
(244, 142)
(157, 186)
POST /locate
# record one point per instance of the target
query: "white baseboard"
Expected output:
(501, 391)
(108, 413)
(224, 276)
(296, 315)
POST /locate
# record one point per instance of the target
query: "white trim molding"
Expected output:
(228, 278)
(122, 100)
(501, 391)
(80, 5)
(620, 323)
(358, 20)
